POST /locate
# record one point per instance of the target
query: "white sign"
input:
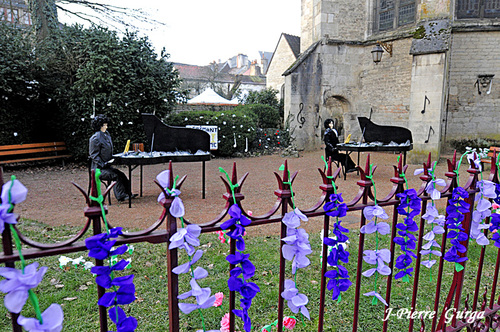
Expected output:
(212, 131)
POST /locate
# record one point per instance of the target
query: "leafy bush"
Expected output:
(23, 104)
(49, 91)
(268, 117)
(270, 139)
(266, 97)
(234, 127)
(461, 145)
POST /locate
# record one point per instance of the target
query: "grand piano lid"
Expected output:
(163, 137)
(386, 134)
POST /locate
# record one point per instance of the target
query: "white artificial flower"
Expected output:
(63, 260)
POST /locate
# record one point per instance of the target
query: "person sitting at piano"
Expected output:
(331, 139)
(101, 154)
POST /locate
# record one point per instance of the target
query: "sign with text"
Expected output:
(212, 131)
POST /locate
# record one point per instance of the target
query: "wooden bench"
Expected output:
(490, 155)
(20, 153)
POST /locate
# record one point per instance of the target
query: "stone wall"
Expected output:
(470, 114)
(283, 58)
(351, 85)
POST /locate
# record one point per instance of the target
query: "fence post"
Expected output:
(284, 193)
(399, 188)
(230, 201)
(327, 188)
(365, 185)
(94, 213)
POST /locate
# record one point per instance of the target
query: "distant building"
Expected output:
(15, 12)
(236, 76)
(286, 53)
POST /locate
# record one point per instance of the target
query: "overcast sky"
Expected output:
(200, 31)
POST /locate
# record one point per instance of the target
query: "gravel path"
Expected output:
(53, 200)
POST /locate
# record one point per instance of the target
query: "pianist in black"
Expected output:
(331, 139)
(101, 154)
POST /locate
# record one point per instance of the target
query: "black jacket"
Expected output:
(331, 140)
(100, 149)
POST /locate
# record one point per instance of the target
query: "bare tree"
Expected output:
(44, 14)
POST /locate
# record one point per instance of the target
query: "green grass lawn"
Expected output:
(75, 289)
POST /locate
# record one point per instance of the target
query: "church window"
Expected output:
(478, 9)
(390, 14)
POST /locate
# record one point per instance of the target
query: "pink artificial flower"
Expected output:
(250, 213)
(495, 206)
(218, 299)
(224, 323)
(221, 236)
(289, 323)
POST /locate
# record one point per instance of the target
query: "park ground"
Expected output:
(53, 200)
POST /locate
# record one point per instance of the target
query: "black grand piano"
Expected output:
(377, 138)
(167, 143)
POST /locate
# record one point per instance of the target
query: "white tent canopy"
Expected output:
(209, 96)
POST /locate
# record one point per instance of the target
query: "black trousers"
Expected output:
(122, 186)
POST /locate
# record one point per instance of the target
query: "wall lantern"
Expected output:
(483, 82)
(379, 49)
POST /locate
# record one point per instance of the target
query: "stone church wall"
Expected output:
(470, 115)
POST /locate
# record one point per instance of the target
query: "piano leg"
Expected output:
(141, 184)
(203, 179)
(130, 180)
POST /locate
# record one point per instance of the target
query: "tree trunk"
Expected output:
(44, 17)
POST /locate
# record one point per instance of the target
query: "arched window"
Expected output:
(478, 9)
(391, 14)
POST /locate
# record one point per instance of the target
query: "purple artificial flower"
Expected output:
(295, 300)
(6, 217)
(420, 171)
(17, 284)
(377, 296)
(185, 238)
(203, 301)
(430, 244)
(124, 295)
(382, 228)
(237, 223)
(292, 219)
(429, 263)
(164, 180)
(297, 248)
(377, 257)
(122, 322)
(237, 215)
(52, 320)
(431, 188)
(487, 189)
(243, 314)
(339, 281)
(100, 246)
(18, 192)
(247, 268)
(428, 252)
(186, 267)
(432, 215)
(103, 273)
(374, 211)
(335, 207)
(177, 207)
(455, 210)
(432, 234)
